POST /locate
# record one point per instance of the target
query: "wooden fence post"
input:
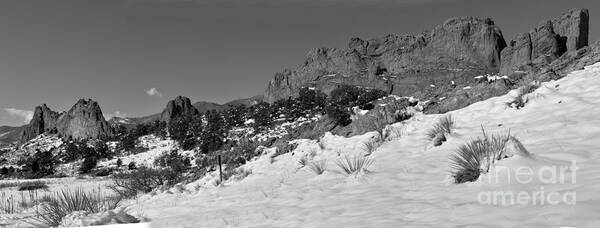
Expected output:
(220, 170)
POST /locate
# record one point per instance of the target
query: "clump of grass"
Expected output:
(321, 144)
(443, 127)
(303, 161)
(393, 133)
(65, 202)
(370, 146)
(241, 173)
(477, 156)
(521, 99)
(355, 165)
(318, 167)
(32, 185)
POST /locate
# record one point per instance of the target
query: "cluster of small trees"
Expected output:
(343, 98)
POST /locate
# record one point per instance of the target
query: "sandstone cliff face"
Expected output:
(546, 42)
(180, 106)
(83, 121)
(458, 49)
(44, 120)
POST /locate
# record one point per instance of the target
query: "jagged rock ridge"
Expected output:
(453, 52)
(83, 121)
(461, 46)
(546, 42)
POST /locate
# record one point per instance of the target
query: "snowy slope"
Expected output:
(410, 184)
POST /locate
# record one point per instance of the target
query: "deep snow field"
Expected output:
(410, 183)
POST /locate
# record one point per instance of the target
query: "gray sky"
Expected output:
(56, 52)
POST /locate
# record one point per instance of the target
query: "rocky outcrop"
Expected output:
(456, 50)
(83, 121)
(180, 106)
(546, 42)
(44, 120)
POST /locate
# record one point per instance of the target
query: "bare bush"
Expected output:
(145, 180)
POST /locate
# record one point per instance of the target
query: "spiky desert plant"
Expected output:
(354, 165)
(370, 146)
(477, 156)
(443, 126)
(303, 161)
(67, 201)
(318, 167)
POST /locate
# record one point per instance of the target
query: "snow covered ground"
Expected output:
(410, 182)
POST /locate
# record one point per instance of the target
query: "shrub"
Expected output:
(339, 114)
(355, 165)
(119, 162)
(443, 126)
(239, 174)
(131, 166)
(65, 202)
(370, 146)
(41, 164)
(32, 185)
(174, 161)
(186, 130)
(477, 156)
(88, 164)
(145, 180)
(303, 161)
(403, 115)
(4, 171)
(318, 167)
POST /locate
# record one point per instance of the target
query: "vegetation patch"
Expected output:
(478, 155)
(353, 166)
(442, 128)
(63, 203)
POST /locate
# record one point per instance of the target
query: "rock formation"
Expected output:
(546, 42)
(44, 120)
(459, 48)
(180, 106)
(83, 121)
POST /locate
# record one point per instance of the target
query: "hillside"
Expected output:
(9, 134)
(409, 182)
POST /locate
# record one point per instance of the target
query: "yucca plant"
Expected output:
(65, 202)
(318, 167)
(355, 165)
(303, 161)
(370, 146)
(477, 156)
(443, 126)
